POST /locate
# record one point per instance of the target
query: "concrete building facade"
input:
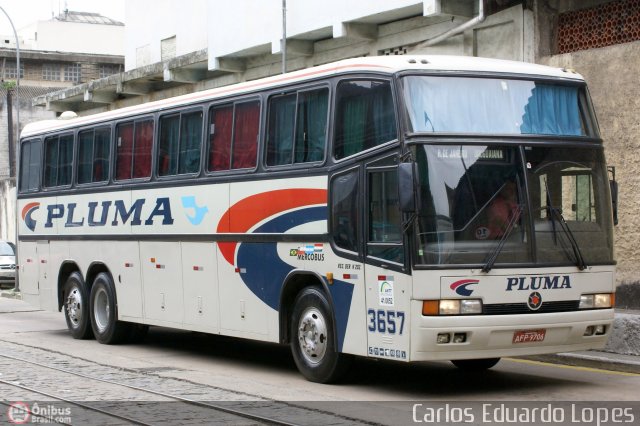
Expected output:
(177, 50)
(71, 49)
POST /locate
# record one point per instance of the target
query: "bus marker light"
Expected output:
(158, 266)
(459, 337)
(330, 277)
(349, 277)
(198, 268)
(443, 338)
(241, 271)
(152, 260)
(128, 265)
(430, 307)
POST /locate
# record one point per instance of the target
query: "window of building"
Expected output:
(30, 165)
(58, 157)
(168, 48)
(11, 70)
(133, 149)
(233, 136)
(108, 69)
(51, 72)
(73, 72)
(297, 127)
(365, 116)
(180, 142)
(93, 155)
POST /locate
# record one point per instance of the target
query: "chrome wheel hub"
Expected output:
(312, 335)
(74, 306)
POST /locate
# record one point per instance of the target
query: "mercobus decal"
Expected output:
(99, 213)
(538, 282)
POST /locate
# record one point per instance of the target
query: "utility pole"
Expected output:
(284, 36)
(14, 164)
(12, 146)
(11, 142)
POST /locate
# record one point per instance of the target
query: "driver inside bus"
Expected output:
(501, 209)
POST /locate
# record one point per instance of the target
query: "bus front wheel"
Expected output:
(104, 312)
(313, 338)
(475, 364)
(76, 307)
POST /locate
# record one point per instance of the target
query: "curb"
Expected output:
(592, 359)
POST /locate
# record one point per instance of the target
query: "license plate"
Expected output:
(529, 336)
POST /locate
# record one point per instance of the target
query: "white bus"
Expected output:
(409, 208)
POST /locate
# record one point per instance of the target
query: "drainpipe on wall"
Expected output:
(457, 30)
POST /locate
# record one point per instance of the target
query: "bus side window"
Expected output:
(344, 211)
(297, 127)
(385, 223)
(93, 155)
(58, 157)
(233, 136)
(365, 116)
(30, 165)
(179, 144)
(134, 141)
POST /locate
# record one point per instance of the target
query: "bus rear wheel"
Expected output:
(76, 307)
(475, 364)
(104, 312)
(313, 338)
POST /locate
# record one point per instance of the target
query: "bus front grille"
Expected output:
(522, 308)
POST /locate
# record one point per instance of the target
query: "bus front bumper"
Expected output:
(495, 336)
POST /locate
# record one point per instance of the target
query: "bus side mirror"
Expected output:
(407, 174)
(613, 186)
(614, 200)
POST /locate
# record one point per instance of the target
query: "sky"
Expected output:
(25, 12)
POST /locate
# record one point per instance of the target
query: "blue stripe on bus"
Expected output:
(263, 271)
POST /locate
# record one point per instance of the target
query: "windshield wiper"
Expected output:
(554, 214)
(493, 256)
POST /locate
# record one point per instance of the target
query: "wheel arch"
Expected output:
(295, 282)
(67, 268)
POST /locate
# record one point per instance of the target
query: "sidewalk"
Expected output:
(622, 352)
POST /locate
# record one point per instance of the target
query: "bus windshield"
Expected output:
(492, 106)
(472, 197)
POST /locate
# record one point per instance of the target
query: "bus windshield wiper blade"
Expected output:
(493, 256)
(553, 213)
(580, 262)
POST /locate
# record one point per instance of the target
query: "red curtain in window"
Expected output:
(220, 140)
(246, 127)
(124, 141)
(142, 149)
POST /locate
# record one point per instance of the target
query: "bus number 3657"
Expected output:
(383, 321)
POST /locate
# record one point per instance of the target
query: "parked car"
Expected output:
(7, 264)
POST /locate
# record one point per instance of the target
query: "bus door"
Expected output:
(388, 285)
(48, 299)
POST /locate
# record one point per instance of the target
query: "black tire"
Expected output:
(475, 364)
(313, 338)
(75, 304)
(104, 312)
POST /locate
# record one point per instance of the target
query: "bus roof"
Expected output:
(380, 64)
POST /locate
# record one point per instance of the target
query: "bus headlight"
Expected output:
(452, 307)
(597, 301)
